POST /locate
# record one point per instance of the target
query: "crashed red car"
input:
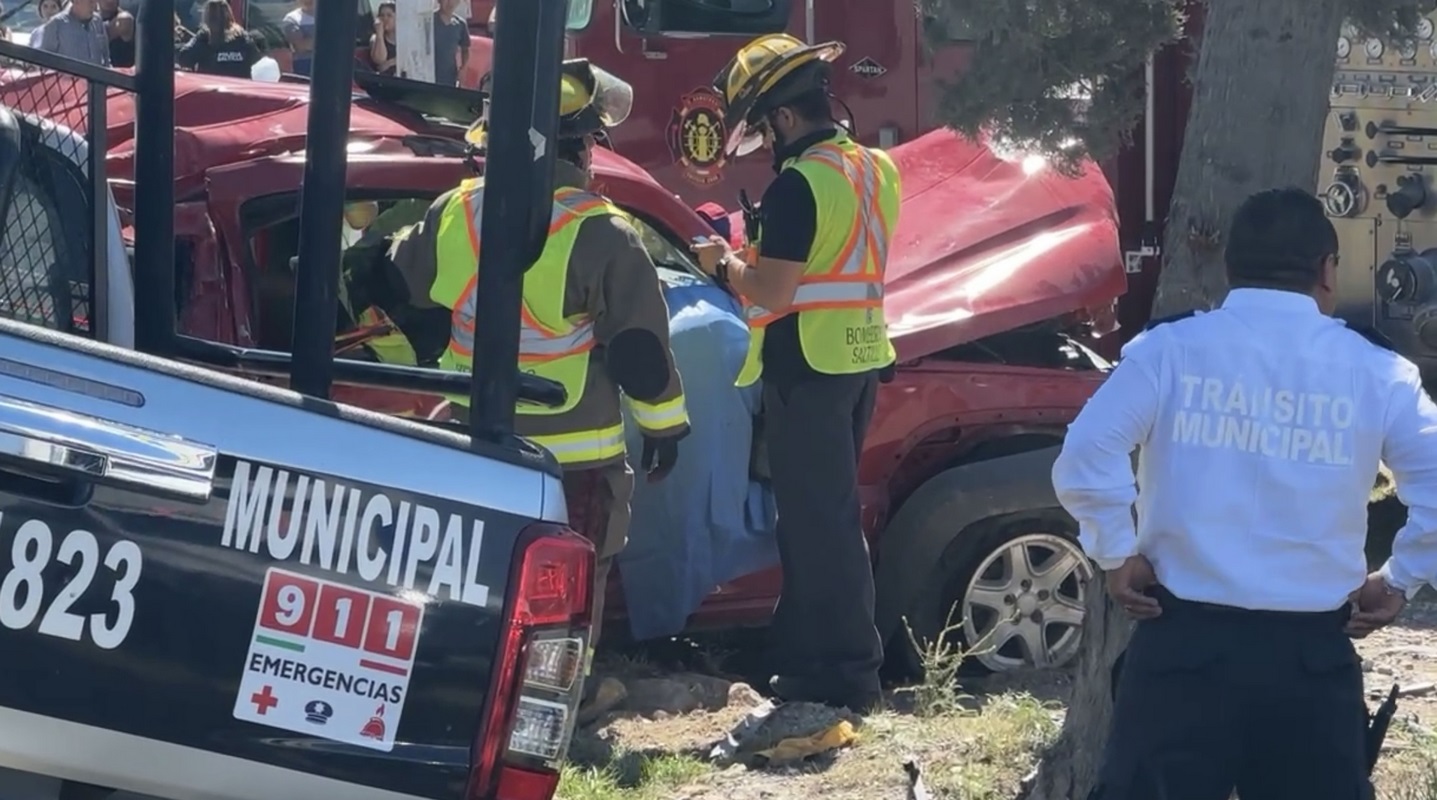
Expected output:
(1001, 271)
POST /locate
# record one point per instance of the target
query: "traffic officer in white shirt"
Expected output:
(1259, 427)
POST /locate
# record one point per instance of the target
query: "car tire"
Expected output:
(983, 576)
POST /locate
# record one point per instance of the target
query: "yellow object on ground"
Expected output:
(797, 749)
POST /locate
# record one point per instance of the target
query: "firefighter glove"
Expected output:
(661, 453)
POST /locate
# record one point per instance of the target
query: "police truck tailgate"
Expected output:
(214, 589)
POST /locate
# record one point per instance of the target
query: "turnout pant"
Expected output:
(823, 632)
(1213, 698)
(598, 501)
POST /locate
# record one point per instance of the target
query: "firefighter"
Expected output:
(813, 288)
(1259, 427)
(594, 319)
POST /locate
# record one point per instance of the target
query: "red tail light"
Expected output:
(539, 673)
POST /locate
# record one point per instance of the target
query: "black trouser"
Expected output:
(1213, 698)
(823, 631)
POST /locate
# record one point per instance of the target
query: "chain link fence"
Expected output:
(58, 215)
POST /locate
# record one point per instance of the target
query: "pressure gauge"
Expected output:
(1373, 47)
(1344, 47)
(1349, 30)
(1407, 51)
(1424, 29)
(1433, 50)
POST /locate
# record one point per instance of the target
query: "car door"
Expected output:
(214, 589)
(254, 209)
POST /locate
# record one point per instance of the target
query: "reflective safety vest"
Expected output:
(391, 348)
(839, 300)
(550, 345)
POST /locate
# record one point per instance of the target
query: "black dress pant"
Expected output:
(823, 631)
(1213, 698)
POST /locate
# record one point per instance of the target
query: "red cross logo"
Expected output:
(263, 700)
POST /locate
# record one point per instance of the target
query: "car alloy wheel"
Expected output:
(1024, 605)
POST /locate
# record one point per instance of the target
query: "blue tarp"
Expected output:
(707, 523)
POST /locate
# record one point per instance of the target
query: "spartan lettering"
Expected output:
(1307, 427)
(337, 528)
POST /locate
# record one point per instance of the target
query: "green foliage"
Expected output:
(1059, 77)
(1064, 78)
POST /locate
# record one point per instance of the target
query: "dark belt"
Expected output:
(1172, 603)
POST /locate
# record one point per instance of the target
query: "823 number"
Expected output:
(22, 592)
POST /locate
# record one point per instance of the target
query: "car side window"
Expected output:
(45, 264)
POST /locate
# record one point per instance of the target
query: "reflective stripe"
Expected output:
(849, 282)
(536, 341)
(660, 417)
(826, 294)
(584, 446)
(855, 294)
(869, 237)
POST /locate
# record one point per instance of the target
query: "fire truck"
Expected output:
(671, 50)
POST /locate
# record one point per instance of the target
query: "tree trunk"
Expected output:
(1260, 101)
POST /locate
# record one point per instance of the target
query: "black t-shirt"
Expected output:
(122, 53)
(232, 57)
(790, 223)
(389, 52)
(451, 35)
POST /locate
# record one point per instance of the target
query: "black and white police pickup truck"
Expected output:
(211, 589)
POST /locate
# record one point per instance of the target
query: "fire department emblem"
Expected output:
(696, 136)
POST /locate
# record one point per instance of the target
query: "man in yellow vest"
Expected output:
(594, 319)
(812, 283)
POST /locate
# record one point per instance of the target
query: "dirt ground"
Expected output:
(979, 750)
(1406, 654)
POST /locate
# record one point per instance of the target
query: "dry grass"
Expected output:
(1408, 771)
(966, 746)
(631, 776)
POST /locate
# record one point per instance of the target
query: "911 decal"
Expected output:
(22, 590)
(329, 660)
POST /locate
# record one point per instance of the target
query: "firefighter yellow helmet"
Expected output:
(591, 100)
(766, 73)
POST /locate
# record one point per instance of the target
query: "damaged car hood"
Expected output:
(987, 243)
